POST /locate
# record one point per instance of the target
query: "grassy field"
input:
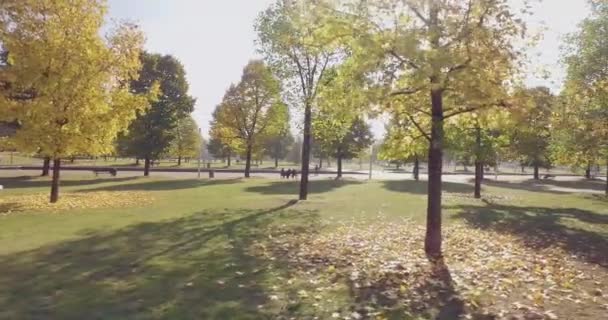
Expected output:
(236, 249)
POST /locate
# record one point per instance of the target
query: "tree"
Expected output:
(188, 140)
(343, 145)
(479, 136)
(78, 81)
(403, 143)
(252, 109)
(530, 140)
(153, 132)
(584, 112)
(299, 43)
(448, 58)
(279, 145)
(219, 150)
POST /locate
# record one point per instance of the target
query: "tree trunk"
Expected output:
(416, 169)
(328, 161)
(147, 166)
(478, 163)
(137, 161)
(606, 177)
(248, 160)
(306, 151)
(588, 171)
(179, 160)
(321, 162)
(339, 161)
(536, 171)
(46, 164)
(478, 178)
(55, 182)
(229, 160)
(432, 244)
(276, 162)
(72, 160)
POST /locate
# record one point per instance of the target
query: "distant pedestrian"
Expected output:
(283, 173)
(316, 170)
(294, 173)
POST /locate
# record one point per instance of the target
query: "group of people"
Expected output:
(289, 173)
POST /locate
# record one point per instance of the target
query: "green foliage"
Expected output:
(531, 135)
(188, 140)
(153, 132)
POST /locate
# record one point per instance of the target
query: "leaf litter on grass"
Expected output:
(71, 201)
(384, 271)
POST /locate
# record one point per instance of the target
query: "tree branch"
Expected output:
(422, 132)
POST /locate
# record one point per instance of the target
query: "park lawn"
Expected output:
(237, 249)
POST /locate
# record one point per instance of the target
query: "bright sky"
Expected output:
(214, 39)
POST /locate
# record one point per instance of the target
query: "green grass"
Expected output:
(185, 255)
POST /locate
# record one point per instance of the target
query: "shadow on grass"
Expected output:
(161, 185)
(545, 185)
(420, 187)
(293, 186)
(541, 227)
(37, 182)
(197, 267)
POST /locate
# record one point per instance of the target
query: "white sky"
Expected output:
(214, 39)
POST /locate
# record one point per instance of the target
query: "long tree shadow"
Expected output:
(545, 186)
(568, 228)
(168, 184)
(37, 182)
(420, 187)
(292, 187)
(197, 267)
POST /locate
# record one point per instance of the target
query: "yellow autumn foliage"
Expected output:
(74, 201)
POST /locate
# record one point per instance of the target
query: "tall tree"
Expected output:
(188, 140)
(531, 138)
(252, 109)
(78, 79)
(584, 113)
(277, 146)
(299, 43)
(404, 143)
(449, 55)
(153, 132)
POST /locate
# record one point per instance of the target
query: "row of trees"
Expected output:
(448, 72)
(254, 121)
(69, 91)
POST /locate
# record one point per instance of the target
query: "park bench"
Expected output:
(110, 171)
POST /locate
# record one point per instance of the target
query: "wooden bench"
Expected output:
(110, 171)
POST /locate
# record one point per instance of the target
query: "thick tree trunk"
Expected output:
(248, 161)
(417, 169)
(432, 244)
(179, 160)
(339, 161)
(306, 151)
(229, 160)
(588, 171)
(46, 166)
(478, 163)
(536, 171)
(55, 182)
(146, 166)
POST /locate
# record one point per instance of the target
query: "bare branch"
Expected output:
(418, 13)
(403, 60)
(406, 91)
(424, 133)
